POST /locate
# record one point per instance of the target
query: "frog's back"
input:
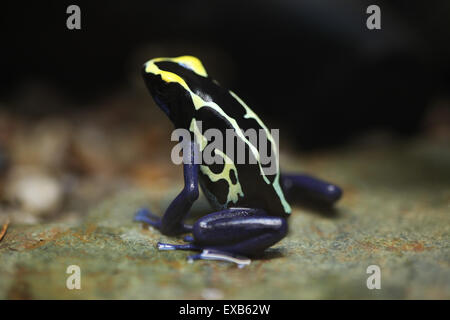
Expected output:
(230, 183)
(234, 183)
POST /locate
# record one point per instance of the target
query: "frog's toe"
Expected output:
(211, 254)
(169, 246)
(144, 215)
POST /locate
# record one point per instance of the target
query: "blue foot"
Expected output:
(209, 254)
(144, 215)
(168, 246)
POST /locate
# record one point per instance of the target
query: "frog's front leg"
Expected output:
(302, 187)
(233, 234)
(172, 222)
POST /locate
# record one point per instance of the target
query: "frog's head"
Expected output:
(171, 82)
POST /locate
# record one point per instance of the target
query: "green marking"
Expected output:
(234, 190)
(250, 114)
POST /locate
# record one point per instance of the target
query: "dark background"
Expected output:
(311, 67)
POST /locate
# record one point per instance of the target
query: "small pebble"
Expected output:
(212, 294)
(35, 191)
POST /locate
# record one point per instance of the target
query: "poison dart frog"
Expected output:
(250, 207)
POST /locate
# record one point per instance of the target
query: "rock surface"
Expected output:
(395, 214)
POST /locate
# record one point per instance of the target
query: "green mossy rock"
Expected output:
(395, 214)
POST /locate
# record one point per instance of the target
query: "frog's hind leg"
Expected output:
(302, 187)
(232, 233)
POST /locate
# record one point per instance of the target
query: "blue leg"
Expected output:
(300, 187)
(172, 222)
(233, 234)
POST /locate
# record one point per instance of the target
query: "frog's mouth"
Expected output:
(157, 88)
(162, 105)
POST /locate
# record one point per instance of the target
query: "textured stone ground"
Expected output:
(395, 214)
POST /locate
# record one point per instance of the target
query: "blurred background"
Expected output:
(76, 121)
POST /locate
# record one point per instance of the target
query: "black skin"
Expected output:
(235, 231)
